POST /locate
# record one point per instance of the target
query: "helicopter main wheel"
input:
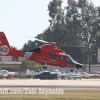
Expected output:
(44, 67)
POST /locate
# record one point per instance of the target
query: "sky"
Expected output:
(19, 18)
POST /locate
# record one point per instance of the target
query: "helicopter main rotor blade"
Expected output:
(70, 45)
(37, 39)
(41, 40)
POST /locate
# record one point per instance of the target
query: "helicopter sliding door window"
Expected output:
(61, 57)
(53, 57)
(69, 60)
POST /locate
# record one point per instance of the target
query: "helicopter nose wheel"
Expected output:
(44, 67)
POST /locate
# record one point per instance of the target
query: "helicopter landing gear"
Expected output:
(44, 67)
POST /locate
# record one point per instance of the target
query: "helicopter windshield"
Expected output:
(70, 59)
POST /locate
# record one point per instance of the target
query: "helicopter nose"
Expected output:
(78, 66)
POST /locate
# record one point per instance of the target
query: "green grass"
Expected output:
(68, 95)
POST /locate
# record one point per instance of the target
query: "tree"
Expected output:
(26, 64)
(56, 27)
(14, 47)
(90, 22)
(64, 25)
(30, 45)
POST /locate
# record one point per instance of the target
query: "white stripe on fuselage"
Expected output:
(27, 55)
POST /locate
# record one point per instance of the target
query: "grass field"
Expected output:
(68, 95)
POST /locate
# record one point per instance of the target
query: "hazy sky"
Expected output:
(20, 18)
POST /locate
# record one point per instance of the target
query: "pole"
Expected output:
(85, 58)
(89, 57)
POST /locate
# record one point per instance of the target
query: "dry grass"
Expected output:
(68, 95)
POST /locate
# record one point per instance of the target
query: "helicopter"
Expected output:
(47, 54)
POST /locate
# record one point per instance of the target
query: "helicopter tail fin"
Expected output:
(5, 49)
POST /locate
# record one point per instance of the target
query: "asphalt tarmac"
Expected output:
(83, 84)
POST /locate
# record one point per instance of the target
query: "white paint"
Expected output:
(27, 55)
(4, 49)
(98, 59)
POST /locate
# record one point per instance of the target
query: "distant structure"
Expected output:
(98, 56)
(9, 61)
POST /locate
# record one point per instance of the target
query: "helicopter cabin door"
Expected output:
(62, 61)
(53, 58)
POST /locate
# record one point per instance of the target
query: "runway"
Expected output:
(83, 84)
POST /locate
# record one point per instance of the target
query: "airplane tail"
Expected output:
(5, 49)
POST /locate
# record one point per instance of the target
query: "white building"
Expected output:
(98, 56)
(8, 61)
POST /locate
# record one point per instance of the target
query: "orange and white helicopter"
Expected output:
(48, 54)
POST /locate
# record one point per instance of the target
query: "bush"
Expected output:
(23, 76)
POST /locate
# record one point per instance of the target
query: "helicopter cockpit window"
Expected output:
(69, 59)
(52, 56)
(61, 57)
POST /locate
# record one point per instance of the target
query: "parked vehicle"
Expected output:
(63, 75)
(85, 75)
(58, 72)
(8, 73)
(45, 75)
(38, 72)
(3, 74)
(73, 75)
